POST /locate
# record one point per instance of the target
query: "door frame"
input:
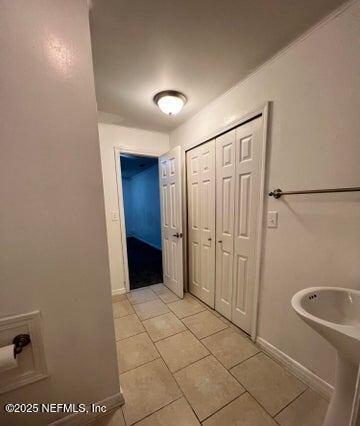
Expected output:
(263, 111)
(118, 150)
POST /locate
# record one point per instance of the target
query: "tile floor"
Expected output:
(181, 363)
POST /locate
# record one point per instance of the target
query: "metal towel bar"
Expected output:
(277, 193)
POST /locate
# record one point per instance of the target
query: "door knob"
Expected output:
(220, 241)
(209, 239)
(178, 235)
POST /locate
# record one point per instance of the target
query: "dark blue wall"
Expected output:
(142, 206)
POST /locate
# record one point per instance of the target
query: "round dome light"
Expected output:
(170, 102)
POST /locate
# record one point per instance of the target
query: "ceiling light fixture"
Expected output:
(170, 102)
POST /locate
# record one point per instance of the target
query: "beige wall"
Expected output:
(132, 139)
(314, 87)
(53, 253)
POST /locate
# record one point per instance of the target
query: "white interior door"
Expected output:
(248, 169)
(171, 220)
(225, 190)
(201, 221)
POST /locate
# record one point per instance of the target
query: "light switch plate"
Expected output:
(114, 215)
(272, 219)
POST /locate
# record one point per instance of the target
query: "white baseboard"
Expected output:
(117, 293)
(308, 377)
(77, 419)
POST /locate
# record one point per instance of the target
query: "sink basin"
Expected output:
(335, 314)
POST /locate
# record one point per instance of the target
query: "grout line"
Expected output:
(247, 359)
(228, 403)
(199, 340)
(155, 316)
(149, 415)
(250, 393)
(293, 400)
(140, 365)
(228, 369)
(127, 337)
(183, 394)
(191, 363)
(216, 332)
(167, 337)
(186, 316)
(192, 408)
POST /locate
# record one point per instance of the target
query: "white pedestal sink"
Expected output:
(335, 314)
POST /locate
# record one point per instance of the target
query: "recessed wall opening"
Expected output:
(141, 200)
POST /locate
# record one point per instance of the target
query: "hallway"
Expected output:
(181, 363)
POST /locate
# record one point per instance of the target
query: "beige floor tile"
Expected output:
(147, 389)
(307, 410)
(214, 312)
(204, 324)
(150, 309)
(115, 418)
(186, 307)
(168, 296)
(229, 347)
(127, 326)
(135, 351)
(141, 295)
(207, 386)
(244, 411)
(122, 308)
(158, 288)
(181, 350)
(268, 382)
(233, 327)
(163, 326)
(178, 413)
(118, 297)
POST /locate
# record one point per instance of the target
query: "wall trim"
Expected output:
(305, 375)
(112, 403)
(116, 293)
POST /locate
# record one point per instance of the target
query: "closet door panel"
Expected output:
(201, 221)
(193, 186)
(207, 209)
(225, 187)
(247, 188)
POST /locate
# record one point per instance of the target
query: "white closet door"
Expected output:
(194, 234)
(201, 225)
(248, 169)
(225, 189)
(171, 220)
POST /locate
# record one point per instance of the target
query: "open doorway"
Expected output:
(141, 200)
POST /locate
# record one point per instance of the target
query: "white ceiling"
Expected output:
(200, 47)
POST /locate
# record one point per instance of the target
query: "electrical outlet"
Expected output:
(272, 219)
